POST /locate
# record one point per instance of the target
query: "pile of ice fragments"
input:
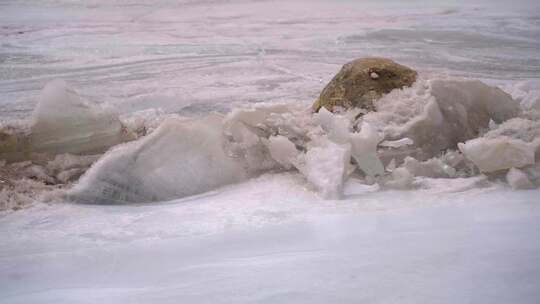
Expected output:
(438, 128)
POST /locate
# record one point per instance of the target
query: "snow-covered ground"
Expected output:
(271, 238)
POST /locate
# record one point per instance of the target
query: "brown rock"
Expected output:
(362, 81)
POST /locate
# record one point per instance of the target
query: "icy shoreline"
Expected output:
(439, 128)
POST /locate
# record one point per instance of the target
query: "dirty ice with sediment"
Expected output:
(193, 169)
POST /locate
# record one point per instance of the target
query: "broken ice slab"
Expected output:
(514, 143)
(63, 122)
(338, 127)
(437, 114)
(326, 167)
(493, 154)
(180, 158)
(364, 150)
(282, 150)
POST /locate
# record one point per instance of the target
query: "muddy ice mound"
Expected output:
(22, 183)
(180, 158)
(57, 144)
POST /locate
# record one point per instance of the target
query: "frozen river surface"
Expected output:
(199, 56)
(270, 239)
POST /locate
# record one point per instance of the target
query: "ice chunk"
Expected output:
(400, 179)
(397, 143)
(246, 142)
(336, 126)
(420, 129)
(180, 158)
(517, 128)
(447, 185)
(527, 93)
(434, 167)
(326, 166)
(247, 131)
(513, 143)
(517, 179)
(493, 154)
(472, 103)
(438, 114)
(391, 165)
(258, 115)
(466, 107)
(282, 150)
(63, 122)
(364, 150)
